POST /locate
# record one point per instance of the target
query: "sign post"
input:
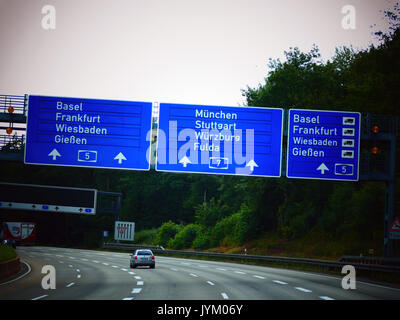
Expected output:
(88, 133)
(220, 140)
(323, 145)
(395, 229)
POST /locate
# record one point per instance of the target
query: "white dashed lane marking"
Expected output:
(326, 298)
(279, 282)
(136, 290)
(302, 289)
(41, 297)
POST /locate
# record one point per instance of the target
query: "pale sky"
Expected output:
(177, 51)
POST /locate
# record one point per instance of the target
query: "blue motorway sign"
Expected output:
(88, 132)
(323, 145)
(219, 140)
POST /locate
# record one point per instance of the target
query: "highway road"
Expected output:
(99, 275)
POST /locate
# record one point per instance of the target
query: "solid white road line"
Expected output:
(23, 275)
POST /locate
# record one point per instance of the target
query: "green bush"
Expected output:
(202, 240)
(185, 237)
(146, 236)
(235, 229)
(167, 232)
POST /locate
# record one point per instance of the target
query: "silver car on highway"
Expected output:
(143, 257)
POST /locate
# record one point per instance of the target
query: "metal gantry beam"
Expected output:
(369, 170)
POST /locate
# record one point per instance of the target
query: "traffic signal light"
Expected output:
(375, 150)
(375, 130)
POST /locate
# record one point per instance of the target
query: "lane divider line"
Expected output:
(302, 289)
(326, 298)
(41, 297)
(279, 282)
(136, 290)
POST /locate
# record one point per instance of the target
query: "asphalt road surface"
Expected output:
(98, 275)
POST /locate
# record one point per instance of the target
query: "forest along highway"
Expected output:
(85, 274)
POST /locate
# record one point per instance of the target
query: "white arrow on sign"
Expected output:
(185, 160)
(323, 168)
(54, 154)
(251, 164)
(120, 156)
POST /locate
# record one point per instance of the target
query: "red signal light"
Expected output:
(375, 129)
(9, 130)
(375, 150)
(10, 110)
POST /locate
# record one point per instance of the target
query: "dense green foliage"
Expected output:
(203, 211)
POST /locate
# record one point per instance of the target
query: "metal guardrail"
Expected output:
(358, 265)
(16, 102)
(371, 260)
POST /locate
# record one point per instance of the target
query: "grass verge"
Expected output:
(7, 253)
